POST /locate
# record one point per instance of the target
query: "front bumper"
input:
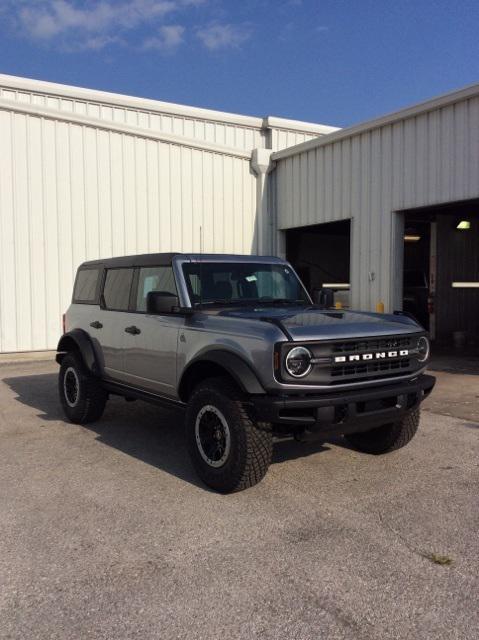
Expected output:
(343, 412)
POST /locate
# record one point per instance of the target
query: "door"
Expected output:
(112, 320)
(151, 346)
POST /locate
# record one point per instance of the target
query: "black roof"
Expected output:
(165, 259)
(142, 260)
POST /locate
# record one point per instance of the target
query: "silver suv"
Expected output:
(237, 343)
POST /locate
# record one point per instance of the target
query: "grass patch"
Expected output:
(437, 558)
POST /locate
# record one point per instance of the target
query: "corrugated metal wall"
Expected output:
(427, 158)
(71, 192)
(85, 174)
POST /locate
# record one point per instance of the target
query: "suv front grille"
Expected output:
(372, 368)
(341, 373)
(372, 345)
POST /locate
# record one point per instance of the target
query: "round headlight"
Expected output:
(298, 362)
(422, 349)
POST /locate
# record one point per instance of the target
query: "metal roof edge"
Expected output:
(126, 101)
(443, 100)
(274, 122)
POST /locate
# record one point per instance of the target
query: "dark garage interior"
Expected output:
(321, 256)
(441, 271)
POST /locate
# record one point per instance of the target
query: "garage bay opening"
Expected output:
(441, 272)
(321, 256)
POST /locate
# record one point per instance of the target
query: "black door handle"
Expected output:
(133, 330)
(96, 325)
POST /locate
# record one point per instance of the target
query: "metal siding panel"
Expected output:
(197, 196)
(164, 180)
(64, 198)
(234, 194)
(328, 183)
(153, 200)
(409, 162)
(23, 308)
(175, 199)
(461, 149)
(90, 172)
(218, 204)
(447, 162)
(336, 211)
(50, 207)
(422, 144)
(141, 191)
(118, 229)
(104, 194)
(186, 201)
(129, 194)
(208, 219)
(8, 292)
(375, 213)
(386, 215)
(473, 159)
(36, 231)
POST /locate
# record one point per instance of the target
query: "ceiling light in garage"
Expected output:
(411, 238)
(464, 225)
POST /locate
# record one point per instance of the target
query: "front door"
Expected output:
(151, 345)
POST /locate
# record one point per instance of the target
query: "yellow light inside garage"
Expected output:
(464, 225)
(411, 238)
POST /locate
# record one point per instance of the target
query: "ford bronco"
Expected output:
(237, 343)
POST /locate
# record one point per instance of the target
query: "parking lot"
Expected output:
(106, 533)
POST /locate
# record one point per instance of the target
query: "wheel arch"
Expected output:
(215, 363)
(79, 340)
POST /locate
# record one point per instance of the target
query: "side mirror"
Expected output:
(162, 303)
(323, 297)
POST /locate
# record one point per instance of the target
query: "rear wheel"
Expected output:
(82, 397)
(388, 437)
(228, 450)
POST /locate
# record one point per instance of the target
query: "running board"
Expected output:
(141, 394)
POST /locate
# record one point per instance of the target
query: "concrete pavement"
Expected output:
(106, 533)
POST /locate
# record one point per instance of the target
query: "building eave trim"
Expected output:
(445, 100)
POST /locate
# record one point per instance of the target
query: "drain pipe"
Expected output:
(261, 165)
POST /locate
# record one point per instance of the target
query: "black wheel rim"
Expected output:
(213, 436)
(71, 387)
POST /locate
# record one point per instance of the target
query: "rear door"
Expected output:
(151, 348)
(113, 319)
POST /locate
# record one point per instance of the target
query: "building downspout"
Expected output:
(261, 165)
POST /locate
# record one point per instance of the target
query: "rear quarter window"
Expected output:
(87, 286)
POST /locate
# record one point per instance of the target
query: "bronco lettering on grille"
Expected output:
(379, 355)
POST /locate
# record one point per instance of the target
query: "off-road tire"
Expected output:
(251, 446)
(90, 402)
(388, 437)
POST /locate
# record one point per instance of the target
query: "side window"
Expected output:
(86, 286)
(154, 279)
(117, 289)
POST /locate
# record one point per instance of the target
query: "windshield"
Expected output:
(243, 283)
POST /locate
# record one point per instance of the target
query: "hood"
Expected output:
(329, 324)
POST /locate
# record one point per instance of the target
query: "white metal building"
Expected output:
(411, 175)
(87, 174)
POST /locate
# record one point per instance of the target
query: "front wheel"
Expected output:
(388, 437)
(228, 450)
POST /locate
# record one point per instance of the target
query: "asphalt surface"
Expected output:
(106, 533)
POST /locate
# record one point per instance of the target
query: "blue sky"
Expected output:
(331, 61)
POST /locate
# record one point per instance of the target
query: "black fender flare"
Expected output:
(237, 367)
(77, 339)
